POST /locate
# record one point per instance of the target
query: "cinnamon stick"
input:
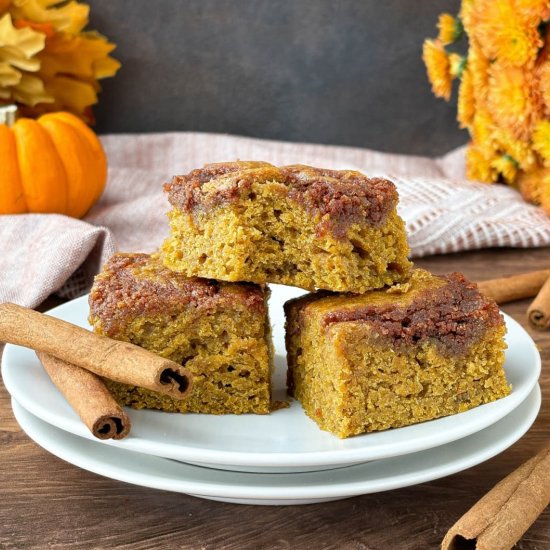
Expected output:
(516, 287)
(119, 361)
(539, 310)
(89, 397)
(501, 517)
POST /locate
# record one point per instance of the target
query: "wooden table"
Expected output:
(47, 503)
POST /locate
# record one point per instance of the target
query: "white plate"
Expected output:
(277, 489)
(286, 440)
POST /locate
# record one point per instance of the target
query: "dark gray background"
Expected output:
(343, 72)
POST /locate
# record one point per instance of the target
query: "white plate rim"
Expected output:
(254, 459)
(523, 418)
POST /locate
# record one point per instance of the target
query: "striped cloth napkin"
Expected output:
(43, 254)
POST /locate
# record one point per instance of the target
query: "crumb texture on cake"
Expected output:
(295, 225)
(345, 196)
(431, 347)
(132, 284)
(219, 331)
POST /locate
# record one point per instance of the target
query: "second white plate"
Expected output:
(277, 489)
(284, 441)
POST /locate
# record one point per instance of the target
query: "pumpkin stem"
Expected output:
(8, 114)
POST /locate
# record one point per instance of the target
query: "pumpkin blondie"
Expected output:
(431, 347)
(219, 331)
(295, 225)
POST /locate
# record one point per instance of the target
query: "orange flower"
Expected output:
(512, 99)
(467, 15)
(438, 67)
(504, 91)
(450, 29)
(534, 10)
(543, 74)
(504, 35)
(541, 140)
(466, 100)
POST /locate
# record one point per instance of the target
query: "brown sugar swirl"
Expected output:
(137, 284)
(187, 192)
(452, 316)
(347, 197)
(338, 197)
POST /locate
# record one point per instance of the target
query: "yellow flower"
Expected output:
(466, 100)
(19, 46)
(450, 29)
(47, 61)
(478, 66)
(507, 167)
(70, 68)
(85, 56)
(541, 140)
(482, 129)
(30, 91)
(71, 61)
(521, 151)
(512, 99)
(504, 35)
(438, 67)
(479, 165)
(18, 49)
(64, 16)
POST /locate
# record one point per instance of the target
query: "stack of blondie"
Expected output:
(376, 344)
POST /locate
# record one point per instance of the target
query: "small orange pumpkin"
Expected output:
(54, 164)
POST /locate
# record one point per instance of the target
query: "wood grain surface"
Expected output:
(47, 503)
